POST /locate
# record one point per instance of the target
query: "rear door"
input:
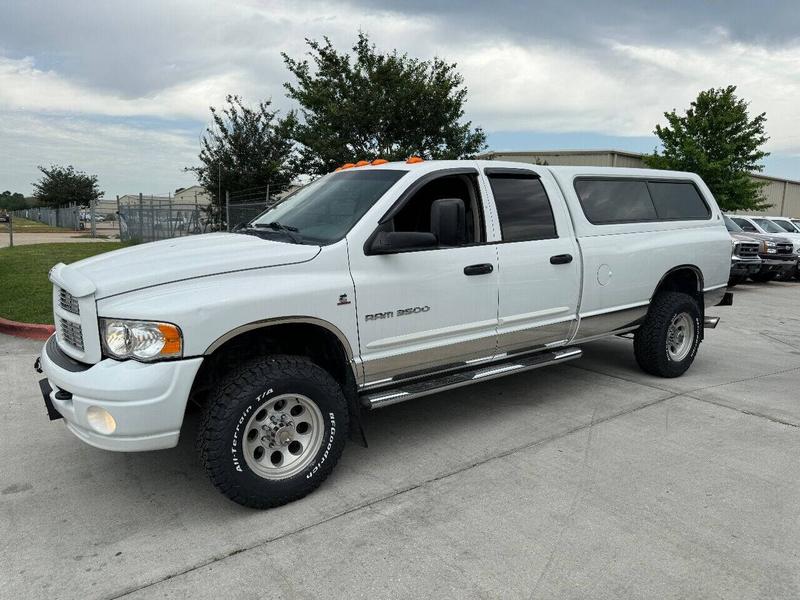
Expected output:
(539, 260)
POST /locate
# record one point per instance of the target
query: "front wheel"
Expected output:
(667, 342)
(273, 431)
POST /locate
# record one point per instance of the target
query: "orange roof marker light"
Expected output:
(414, 159)
(337, 169)
(362, 163)
(347, 166)
(379, 161)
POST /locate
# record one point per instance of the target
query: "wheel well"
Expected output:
(315, 342)
(686, 279)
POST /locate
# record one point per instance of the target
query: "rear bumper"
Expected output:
(147, 401)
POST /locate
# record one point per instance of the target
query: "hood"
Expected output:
(743, 237)
(157, 263)
(749, 235)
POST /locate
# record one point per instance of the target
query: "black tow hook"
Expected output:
(37, 366)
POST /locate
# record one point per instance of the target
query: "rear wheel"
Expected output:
(273, 431)
(667, 342)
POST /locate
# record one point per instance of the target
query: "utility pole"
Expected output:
(10, 230)
(227, 211)
(91, 214)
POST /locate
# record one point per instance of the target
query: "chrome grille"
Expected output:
(71, 334)
(784, 248)
(68, 302)
(747, 250)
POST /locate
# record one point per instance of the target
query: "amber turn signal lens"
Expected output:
(172, 339)
(414, 159)
(379, 161)
(362, 163)
(347, 166)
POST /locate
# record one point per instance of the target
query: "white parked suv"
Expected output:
(373, 285)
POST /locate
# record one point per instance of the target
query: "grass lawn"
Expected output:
(27, 226)
(25, 292)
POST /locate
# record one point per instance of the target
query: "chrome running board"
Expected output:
(416, 389)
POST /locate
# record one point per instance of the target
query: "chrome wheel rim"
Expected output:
(283, 436)
(680, 337)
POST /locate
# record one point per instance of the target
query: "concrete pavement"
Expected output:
(587, 480)
(26, 239)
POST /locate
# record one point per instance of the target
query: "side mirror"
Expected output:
(389, 242)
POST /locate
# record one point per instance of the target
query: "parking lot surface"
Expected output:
(586, 480)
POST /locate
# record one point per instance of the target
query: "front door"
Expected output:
(432, 308)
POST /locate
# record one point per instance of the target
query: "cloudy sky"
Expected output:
(122, 88)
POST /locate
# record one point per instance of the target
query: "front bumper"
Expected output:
(745, 266)
(147, 400)
(777, 265)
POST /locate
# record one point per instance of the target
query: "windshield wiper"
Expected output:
(275, 226)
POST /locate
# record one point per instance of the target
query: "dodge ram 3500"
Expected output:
(374, 285)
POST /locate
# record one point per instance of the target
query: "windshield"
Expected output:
(768, 226)
(786, 226)
(326, 209)
(733, 227)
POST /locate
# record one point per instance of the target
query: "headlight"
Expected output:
(142, 340)
(734, 245)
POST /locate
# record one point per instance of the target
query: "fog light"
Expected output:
(101, 420)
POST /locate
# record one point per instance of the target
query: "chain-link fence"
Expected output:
(243, 206)
(147, 218)
(68, 217)
(150, 219)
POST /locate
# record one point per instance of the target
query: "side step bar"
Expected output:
(416, 389)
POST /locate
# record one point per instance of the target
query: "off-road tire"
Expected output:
(763, 277)
(220, 441)
(650, 340)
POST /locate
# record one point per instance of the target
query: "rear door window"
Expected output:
(523, 208)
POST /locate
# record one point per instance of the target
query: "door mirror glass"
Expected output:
(389, 242)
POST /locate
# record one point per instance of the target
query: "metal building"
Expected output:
(782, 194)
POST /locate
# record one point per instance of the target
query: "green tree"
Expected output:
(60, 186)
(246, 148)
(14, 201)
(718, 140)
(373, 105)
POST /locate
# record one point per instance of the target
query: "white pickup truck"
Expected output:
(374, 285)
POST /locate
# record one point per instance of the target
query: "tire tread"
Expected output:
(213, 430)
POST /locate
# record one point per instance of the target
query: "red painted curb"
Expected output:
(31, 331)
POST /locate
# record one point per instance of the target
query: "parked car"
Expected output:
(745, 259)
(786, 224)
(371, 286)
(782, 263)
(789, 226)
(4, 218)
